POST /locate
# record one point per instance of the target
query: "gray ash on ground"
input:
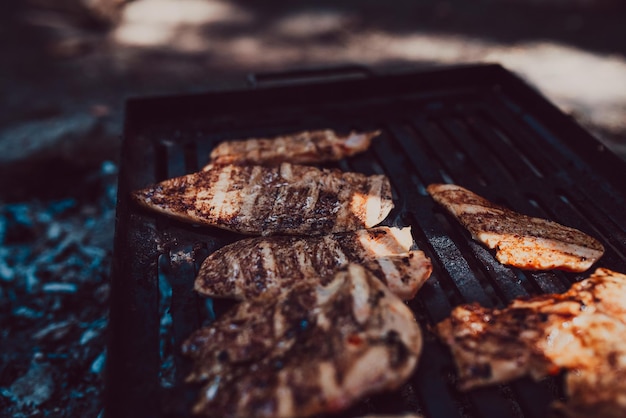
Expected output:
(55, 259)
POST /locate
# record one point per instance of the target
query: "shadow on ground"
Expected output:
(65, 78)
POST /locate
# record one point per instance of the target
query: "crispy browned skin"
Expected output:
(251, 267)
(520, 240)
(289, 199)
(310, 350)
(307, 147)
(581, 331)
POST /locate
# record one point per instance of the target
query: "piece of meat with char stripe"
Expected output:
(306, 147)
(252, 267)
(310, 350)
(580, 332)
(289, 199)
(519, 240)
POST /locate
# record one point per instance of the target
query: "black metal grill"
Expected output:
(477, 126)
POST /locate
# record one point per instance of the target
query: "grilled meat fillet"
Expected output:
(597, 388)
(289, 199)
(308, 147)
(251, 267)
(520, 240)
(580, 331)
(309, 350)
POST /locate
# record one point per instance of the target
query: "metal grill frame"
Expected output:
(479, 126)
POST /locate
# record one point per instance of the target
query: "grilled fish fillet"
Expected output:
(310, 350)
(289, 199)
(251, 267)
(308, 147)
(520, 240)
(581, 331)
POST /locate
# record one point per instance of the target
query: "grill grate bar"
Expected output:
(604, 228)
(448, 159)
(548, 281)
(531, 146)
(444, 248)
(173, 158)
(419, 154)
(434, 380)
(516, 169)
(183, 305)
(560, 208)
(458, 132)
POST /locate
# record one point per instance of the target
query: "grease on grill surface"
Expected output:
(289, 199)
(520, 240)
(259, 266)
(309, 350)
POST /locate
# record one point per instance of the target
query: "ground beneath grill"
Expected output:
(65, 76)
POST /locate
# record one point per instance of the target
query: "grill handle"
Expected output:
(306, 76)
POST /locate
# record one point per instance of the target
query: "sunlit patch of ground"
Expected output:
(173, 24)
(226, 36)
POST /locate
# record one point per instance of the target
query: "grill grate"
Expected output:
(476, 126)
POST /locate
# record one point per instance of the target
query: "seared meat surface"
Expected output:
(256, 266)
(581, 331)
(310, 350)
(307, 147)
(520, 240)
(289, 199)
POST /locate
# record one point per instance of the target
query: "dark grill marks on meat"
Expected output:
(289, 199)
(580, 331)
(309, 350)
(251, 267)
(519, 240)
(308, 147)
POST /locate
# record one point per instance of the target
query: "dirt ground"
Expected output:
(67, 70)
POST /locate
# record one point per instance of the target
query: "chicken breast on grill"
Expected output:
(310, 350)
(251, 267)
(597, 388)
(289, 199)
(307, 147)
(519, 240)
(580, 331)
